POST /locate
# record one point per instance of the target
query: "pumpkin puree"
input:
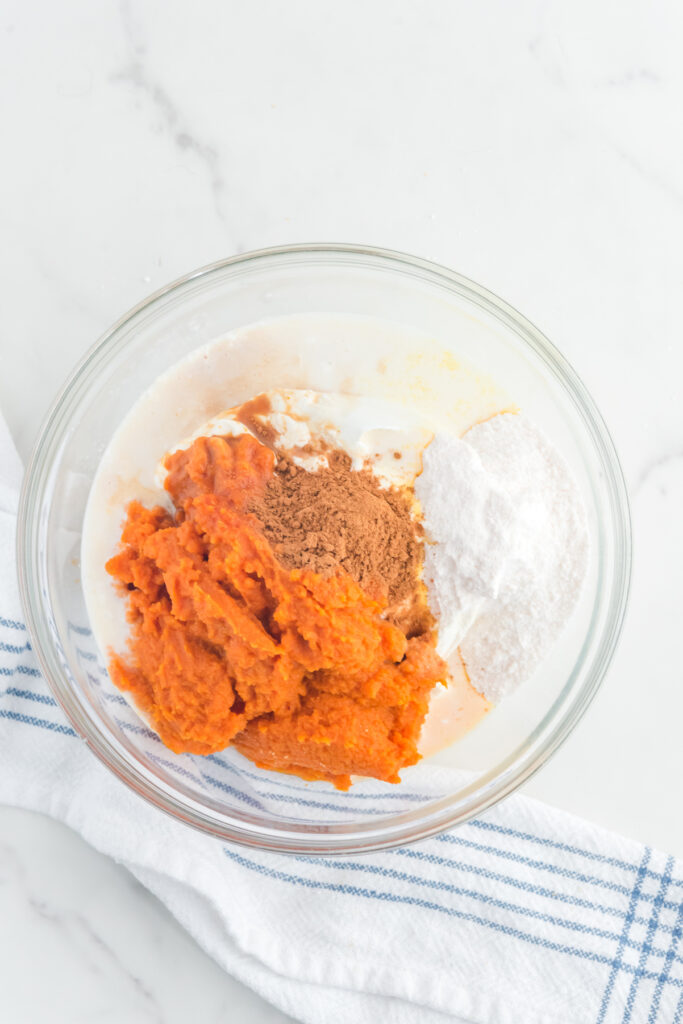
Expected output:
(294, 668)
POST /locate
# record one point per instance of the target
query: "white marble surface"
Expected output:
(533, 146)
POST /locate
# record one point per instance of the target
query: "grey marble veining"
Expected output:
(105, 948)
(173, 123)
(534, 146)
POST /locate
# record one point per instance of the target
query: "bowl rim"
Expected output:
(393, 830)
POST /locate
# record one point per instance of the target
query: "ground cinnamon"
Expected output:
(338, 517)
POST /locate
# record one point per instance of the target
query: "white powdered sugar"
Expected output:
(468, 520)
(507, 547)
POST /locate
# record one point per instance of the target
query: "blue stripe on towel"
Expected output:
(441, 886)
(617, 963)
(12, 624)
(23, 670)
(41, 723)
(40, 698)
(646, 946)
(418, 902)
(13, 649)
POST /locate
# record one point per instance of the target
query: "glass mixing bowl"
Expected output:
(225, 795)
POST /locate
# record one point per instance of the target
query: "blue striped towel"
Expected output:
(526, 916)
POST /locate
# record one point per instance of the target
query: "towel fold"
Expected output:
(525, 915)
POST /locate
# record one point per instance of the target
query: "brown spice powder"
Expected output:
(337, 516)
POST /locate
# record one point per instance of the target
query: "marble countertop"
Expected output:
(534, 147)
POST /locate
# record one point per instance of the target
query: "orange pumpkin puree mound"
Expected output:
(296, 669)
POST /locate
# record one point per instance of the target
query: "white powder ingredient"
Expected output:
(531, 587)
(468, 519)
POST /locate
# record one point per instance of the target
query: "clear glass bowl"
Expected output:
(226, 795)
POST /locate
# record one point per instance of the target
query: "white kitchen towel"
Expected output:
(526, 916)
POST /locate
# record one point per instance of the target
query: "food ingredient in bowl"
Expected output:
(338, 518)
(468, 519)
(351, 471)
(309, 424)
(297, 668)
(509, 518)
